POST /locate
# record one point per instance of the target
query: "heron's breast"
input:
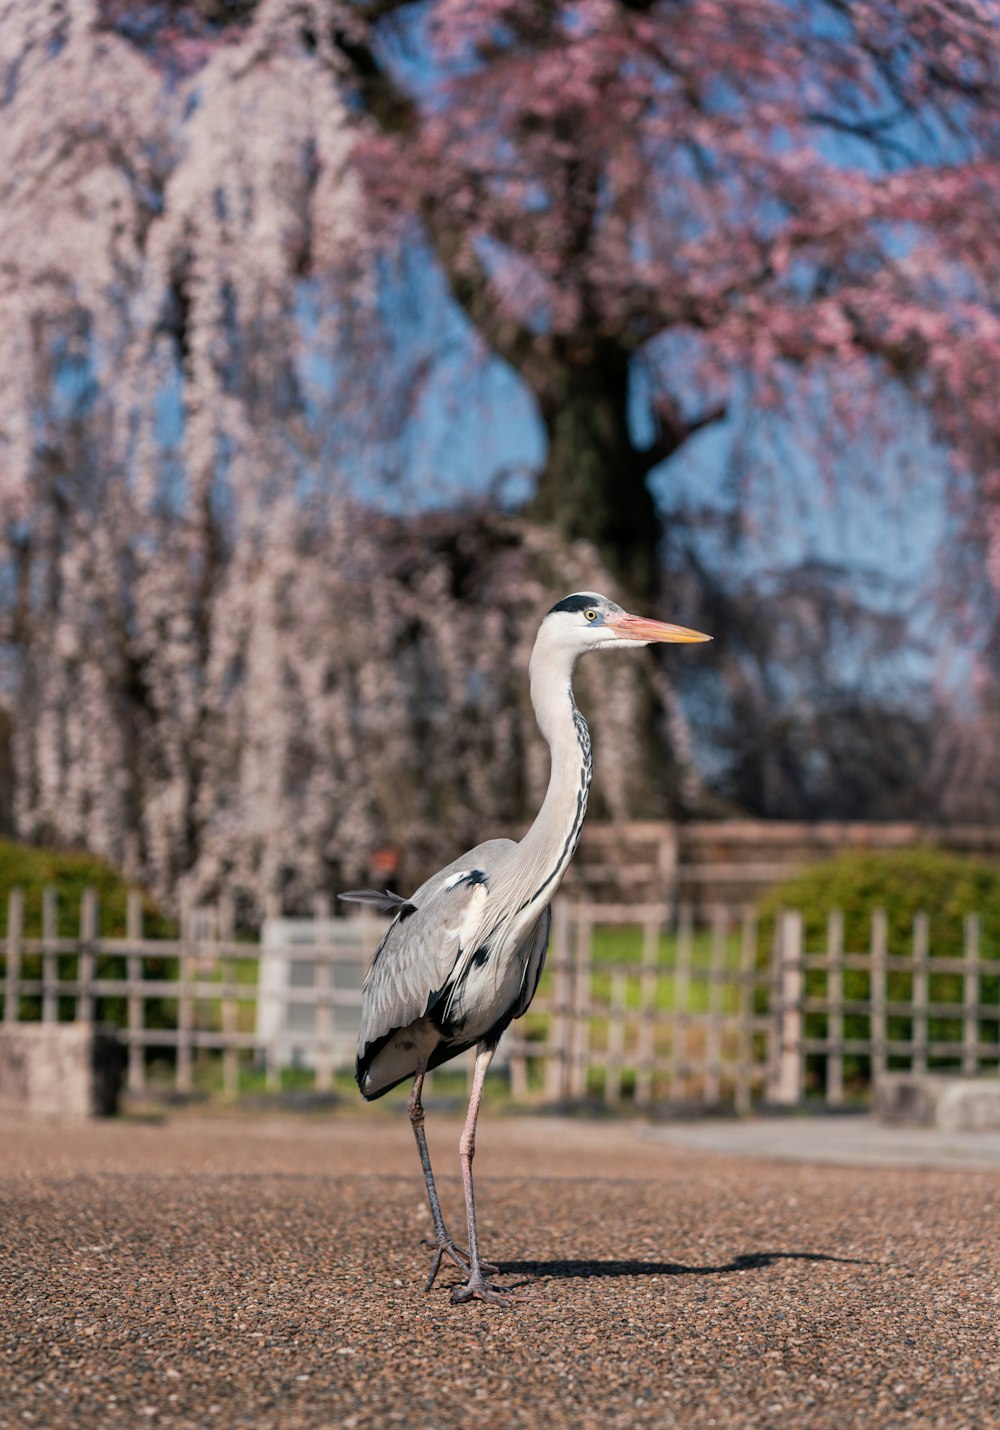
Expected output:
(488, 986)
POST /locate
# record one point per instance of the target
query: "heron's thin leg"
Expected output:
(442, 1243)
(416, 1110)
(477, 1286)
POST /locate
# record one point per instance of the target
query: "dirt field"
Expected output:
(242, 1272)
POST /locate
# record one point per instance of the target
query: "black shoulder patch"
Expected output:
(474, 877)
(580, 602)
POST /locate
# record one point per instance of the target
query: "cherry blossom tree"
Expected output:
(370, 689)
(644, 206)
(660, 214)
(156, 393)
(216, 664)
(218, 668)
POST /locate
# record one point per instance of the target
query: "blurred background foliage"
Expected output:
(33, 870)
(339, 339)
(902, 884)
(948, 890)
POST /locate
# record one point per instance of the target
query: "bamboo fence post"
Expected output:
(877, 992)
(970, 995)
(616, 1037)
(15, 934)
(646, 1049)
(50, 958)
(230, 994)
(772, 983)
(920, 1034)
(679, 1049)
(712, 1080)
(743, 1095)
(518, 1071)
(230, 1027)
(788, 1063)
(835, 1008)
(580, 1022)
(272, 1067)
(86, 1004)
(185, 1007)
(557, 1063)
(324, 1020)
(230, 1006)
(136, 1011)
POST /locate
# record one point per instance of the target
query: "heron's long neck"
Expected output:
(549, 844)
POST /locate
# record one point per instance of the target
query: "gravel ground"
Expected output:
(268, 1272)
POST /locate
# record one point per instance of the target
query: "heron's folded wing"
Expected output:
(414, 963)
(532, 952)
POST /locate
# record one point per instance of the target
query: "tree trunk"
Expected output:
(593, 483)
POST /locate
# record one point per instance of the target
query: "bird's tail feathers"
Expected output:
(382, 900)
(386, 1063)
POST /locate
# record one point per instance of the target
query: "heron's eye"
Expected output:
(590, 615)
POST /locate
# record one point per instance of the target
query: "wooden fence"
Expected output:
(638, 1003)
(708, 861)
(844, 1014)
(156, 991)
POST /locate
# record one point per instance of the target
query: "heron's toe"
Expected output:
(476, 1289)
(457, 1254)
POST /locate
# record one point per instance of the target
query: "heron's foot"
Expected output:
(477, 1288)
(445, 1247)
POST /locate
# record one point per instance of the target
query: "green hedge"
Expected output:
(946, 887)
(904, 883)
(69, 872)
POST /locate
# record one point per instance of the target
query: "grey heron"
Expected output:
(463, 955)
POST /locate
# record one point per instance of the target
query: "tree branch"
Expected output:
(675, 430)
(397, 116)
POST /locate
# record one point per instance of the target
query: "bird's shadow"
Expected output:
(586, 1269)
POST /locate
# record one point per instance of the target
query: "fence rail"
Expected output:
(841, 1012)
(713, 861)
(638, 1003)
(675, 1021)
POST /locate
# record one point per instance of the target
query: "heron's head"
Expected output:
(586, 620)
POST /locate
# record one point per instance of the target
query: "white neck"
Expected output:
(549, 844)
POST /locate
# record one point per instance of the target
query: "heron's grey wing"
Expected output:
(414, 961)
(534, 949)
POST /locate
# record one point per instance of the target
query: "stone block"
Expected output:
(69, 1069)
(949, 1101)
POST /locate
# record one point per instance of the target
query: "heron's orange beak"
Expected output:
(638, 628)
